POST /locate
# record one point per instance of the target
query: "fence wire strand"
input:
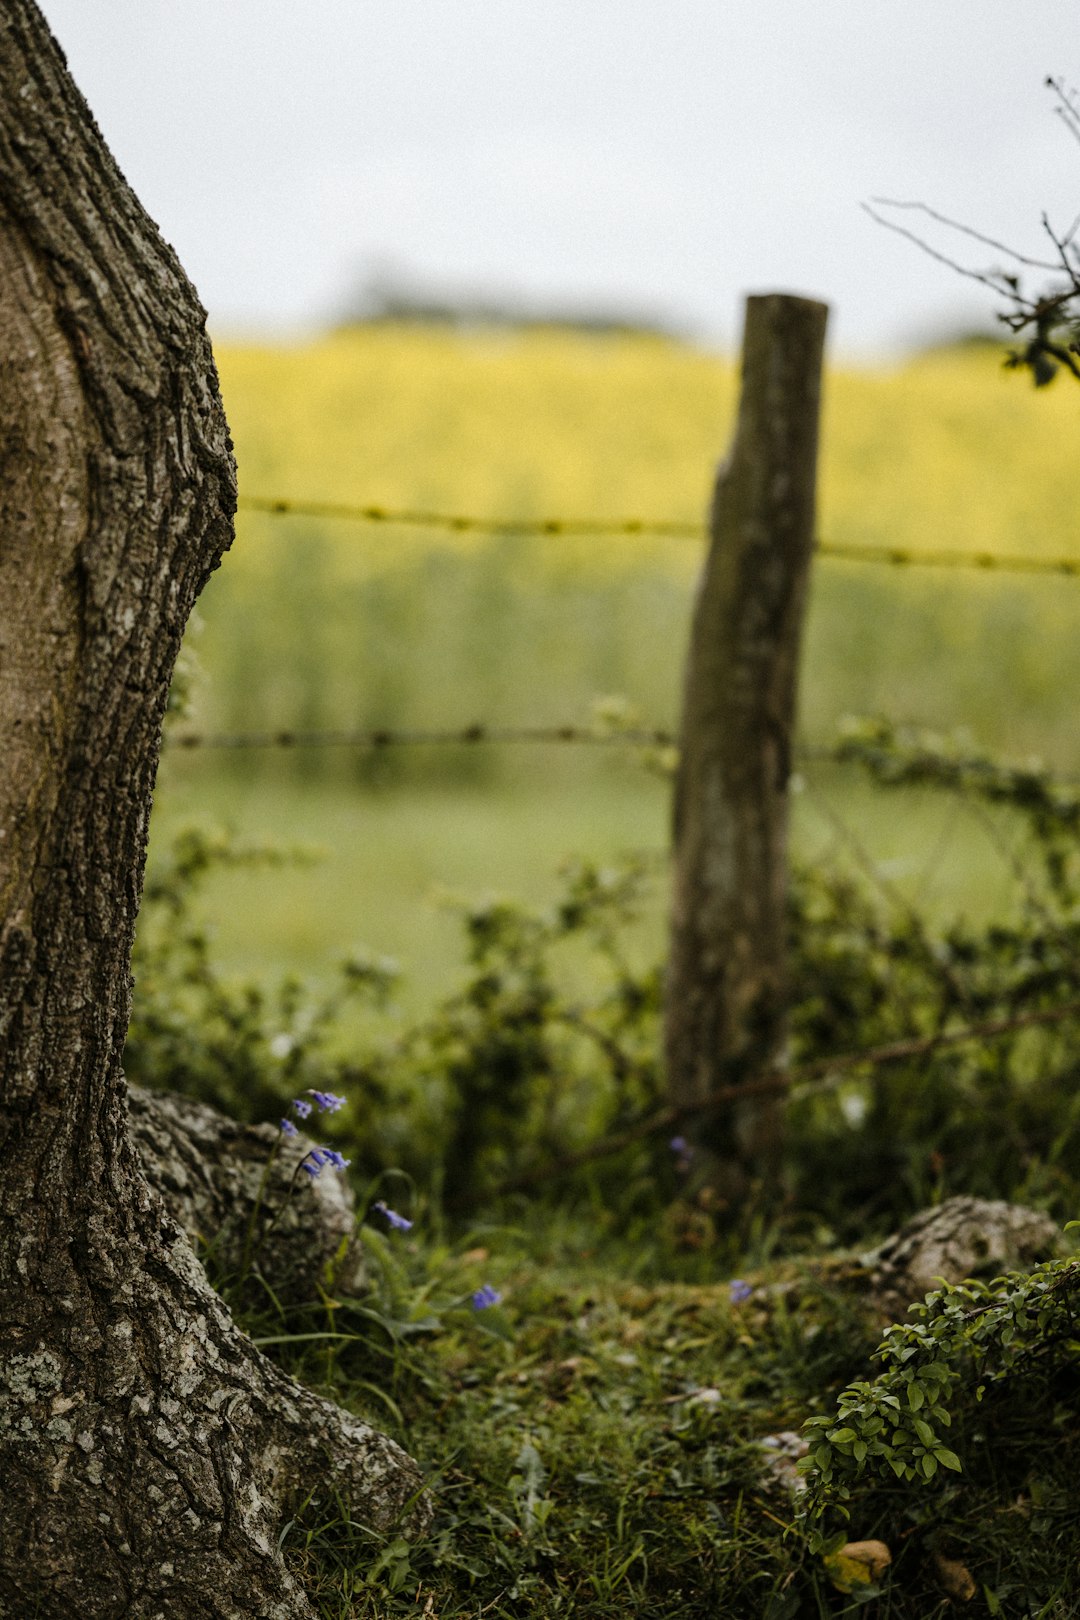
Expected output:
(465, 523)
(382, 737)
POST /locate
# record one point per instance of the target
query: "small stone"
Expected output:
(955, 1578)
(858, 1563)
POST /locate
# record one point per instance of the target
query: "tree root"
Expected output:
(235, 1192)
(174, 1449)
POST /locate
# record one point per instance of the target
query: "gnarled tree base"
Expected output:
(235, 1191)
(172, 1449)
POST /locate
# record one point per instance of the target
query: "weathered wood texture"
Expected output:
(725, 993)
(147, 1450)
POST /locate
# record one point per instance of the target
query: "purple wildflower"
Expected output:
(288, 1127)
(332, 1156)
(327, 1101)
(739, 1291)
(398, 1222)
(680, 1145)
(485, 1296)
(301, 1106)
(311, 1165)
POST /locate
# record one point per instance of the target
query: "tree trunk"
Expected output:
(147, 1450)
(725, 993)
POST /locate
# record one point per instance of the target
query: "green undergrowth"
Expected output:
(595, 1443)
(592, 1443)
(547, 1047)
(598, 1443)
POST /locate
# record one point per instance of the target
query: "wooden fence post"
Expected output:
(726, 992)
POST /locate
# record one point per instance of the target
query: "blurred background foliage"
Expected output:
(500, 912)
(320, 623)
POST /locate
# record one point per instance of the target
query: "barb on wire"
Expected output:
(465, 523)
(434, 737)
(809, 1076)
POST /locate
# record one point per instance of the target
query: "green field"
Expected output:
(389, 859)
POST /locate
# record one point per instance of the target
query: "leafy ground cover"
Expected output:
(609, 1439)
(587, 1352)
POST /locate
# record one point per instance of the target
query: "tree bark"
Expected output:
(147, 1450)
(725, 993)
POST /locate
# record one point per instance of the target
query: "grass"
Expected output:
(593, 1441)
(389, 856)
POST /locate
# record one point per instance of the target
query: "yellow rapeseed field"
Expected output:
(948, 447)
(329, 622)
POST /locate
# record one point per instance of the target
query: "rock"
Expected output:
(208, 1171)
(961, 1238)
(782, 1452)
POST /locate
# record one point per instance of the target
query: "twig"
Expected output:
(997, 284)
(963, 230)
(893, 895)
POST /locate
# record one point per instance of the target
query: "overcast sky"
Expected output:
(661, 155)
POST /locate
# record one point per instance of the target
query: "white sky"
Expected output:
(662, 155)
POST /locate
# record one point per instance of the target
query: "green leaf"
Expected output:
(915, 1396)
(928, 1465)
(948, 1459)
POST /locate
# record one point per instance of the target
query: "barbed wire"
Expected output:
(383, 737)
(465, 523)
(636, 736)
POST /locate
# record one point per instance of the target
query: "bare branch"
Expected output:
(1068, 108)
(964, 230)
(1063, 257)
(822, 1072)
(997, 281)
